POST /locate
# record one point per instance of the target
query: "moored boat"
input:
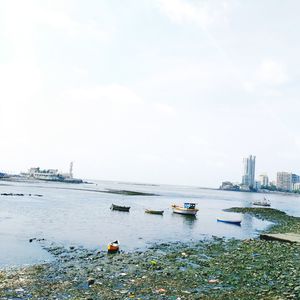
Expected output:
(120, 208)
(154, 212)
(264, 202)
(234, 222)
(188, 209)
(113, 247)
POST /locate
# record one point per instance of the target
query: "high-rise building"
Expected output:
(284, 181)
(264, 179)
(295, 178)
(296, 186)
(249, 171)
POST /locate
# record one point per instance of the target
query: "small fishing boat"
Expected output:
(154, 212)
(234, 222)
(113, 247)
(120, 208)
(187, 209)
(264, 202)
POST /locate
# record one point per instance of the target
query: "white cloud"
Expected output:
(165, 109)
(202, 13)
(60, 20)
(271, 72)
(267, 78)
(26, 16)
(80, 71)
(198, 141)
(20, 76)
(116, 94)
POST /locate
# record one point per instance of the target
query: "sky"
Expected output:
(157, 91)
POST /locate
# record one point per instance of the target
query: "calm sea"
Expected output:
(78, 215)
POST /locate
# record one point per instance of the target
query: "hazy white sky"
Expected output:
(164, 91)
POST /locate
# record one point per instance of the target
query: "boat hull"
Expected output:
(111, 248)
(120, 208)
(261, 204)
(233, 222)
(184, 211)
(154, 212)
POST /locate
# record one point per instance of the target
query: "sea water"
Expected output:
(80, 215)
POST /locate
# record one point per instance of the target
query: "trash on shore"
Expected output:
(113, 247)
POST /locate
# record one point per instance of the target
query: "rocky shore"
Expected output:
(211, 269)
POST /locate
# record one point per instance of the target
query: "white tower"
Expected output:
(71, 169)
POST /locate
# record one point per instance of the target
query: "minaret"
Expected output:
(71, 169)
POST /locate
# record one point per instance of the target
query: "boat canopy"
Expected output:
(190, 205)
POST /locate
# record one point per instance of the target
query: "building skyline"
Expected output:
(284, 181)
(248, 178)
(264, 179)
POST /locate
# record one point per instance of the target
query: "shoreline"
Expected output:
(29, 181)
(212, 269)
(258, 192)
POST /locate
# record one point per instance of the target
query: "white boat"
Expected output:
(188, 209)
(264, 202)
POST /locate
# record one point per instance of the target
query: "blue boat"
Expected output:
(234, 222)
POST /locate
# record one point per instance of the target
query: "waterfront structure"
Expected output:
(40, 174)
(51, 175)
(284, 181)
(249, 171)
(264, 179)
(227, 185)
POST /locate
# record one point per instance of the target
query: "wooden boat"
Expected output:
(113, 247)
(264, 202)
(234, 222)
(120, 208)
(188, 209)
(154, 212)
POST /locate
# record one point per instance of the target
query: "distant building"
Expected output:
(264, 179)
(295, 178)
(284, 181)
(245, 188)
(51, 175)
(257, 185)
(273, 182)
(249, 171)
(296, 186)
(229, 186)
